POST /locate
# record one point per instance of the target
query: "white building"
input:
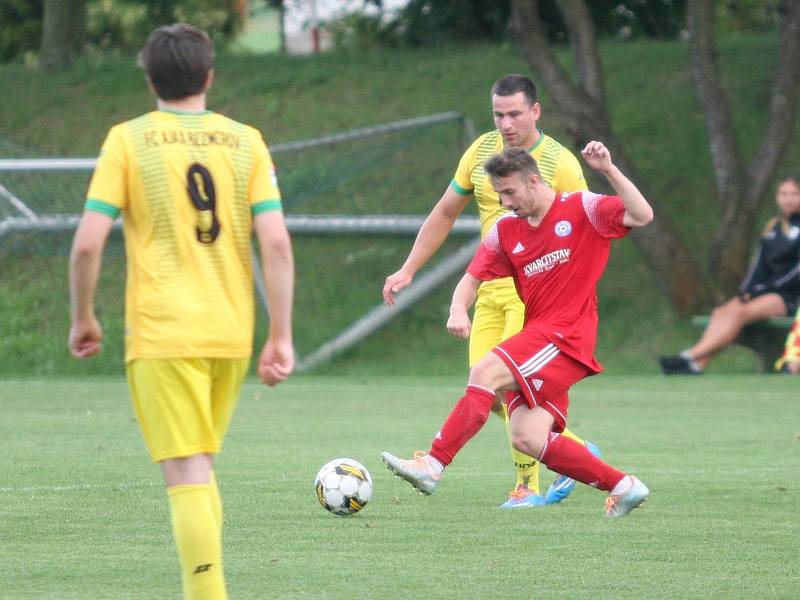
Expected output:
(302, 20)
(303, 24)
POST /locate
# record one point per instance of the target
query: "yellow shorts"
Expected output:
(184, 405)
(499, 314)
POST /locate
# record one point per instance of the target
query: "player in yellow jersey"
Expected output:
(789, 362)
(498, 310)
(191, 186)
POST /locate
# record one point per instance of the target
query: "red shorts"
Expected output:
(543, 372)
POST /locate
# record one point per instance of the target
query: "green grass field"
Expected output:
(83, 513)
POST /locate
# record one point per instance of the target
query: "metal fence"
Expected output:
(33, 218)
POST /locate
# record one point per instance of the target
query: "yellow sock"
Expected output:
(527, 467)
(198, 541)
(572, 436)
(216, 500)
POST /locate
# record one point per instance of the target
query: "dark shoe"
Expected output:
(677, 365)
(786, 369)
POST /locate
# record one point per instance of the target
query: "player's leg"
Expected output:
(172, 400)
(544, 374)
(527, 467)
(526, 491)
(562, 485)
(725, 325)
(216, 499)
(499, 314)
(469, 414)
(227, 377)
(195, 525)
(532, 433)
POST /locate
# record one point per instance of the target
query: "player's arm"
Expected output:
(464, 295)
(431, 236)
(85, 334)
(276, 361)
(756, 277)
(638, 211)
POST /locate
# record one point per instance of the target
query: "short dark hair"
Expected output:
(508, 85)
(177, 59)
(509, 162)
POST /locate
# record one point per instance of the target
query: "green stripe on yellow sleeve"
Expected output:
(459, 189)
(266, 206)
(101, 207)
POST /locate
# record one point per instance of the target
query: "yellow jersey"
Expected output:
(187, 186)
(558, 166)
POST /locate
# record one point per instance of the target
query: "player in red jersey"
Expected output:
(556, 249)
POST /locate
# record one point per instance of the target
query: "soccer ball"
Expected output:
(344, 486)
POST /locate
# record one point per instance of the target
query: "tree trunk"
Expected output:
(63, 31)
(585, 115)
(742, 191)
(725, 153)
(584, 47)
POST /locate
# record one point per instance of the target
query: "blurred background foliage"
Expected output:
(124, 24)
(115, 24)
(442, 22)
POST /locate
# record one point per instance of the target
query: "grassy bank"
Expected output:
(291, 98)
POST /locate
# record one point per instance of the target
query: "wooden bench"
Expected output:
(766, 338)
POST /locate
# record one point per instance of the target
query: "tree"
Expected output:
(432, 22)
(740, 187)
(124, 24)
(20, 27)
(280, 6)
(63, 31)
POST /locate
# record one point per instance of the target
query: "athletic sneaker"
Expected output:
(523, 497)
(619, 505)
(563, 485)
(678, 365)
(417, 471)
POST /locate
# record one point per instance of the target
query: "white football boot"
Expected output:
(619, 505)
(417, 471)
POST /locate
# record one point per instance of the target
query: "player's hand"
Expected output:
(276, 361)
(597, 156)
(85, 338)
(459, 324)
(394, 283)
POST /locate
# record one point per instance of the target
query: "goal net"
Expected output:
(353, 201)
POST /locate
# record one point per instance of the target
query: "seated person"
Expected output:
(790, 361)
(770, 289)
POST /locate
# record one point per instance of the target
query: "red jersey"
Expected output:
(556, 266)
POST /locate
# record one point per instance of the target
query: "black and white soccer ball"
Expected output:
(344, 486)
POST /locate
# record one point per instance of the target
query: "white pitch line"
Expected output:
(131, 485)
(79, 487)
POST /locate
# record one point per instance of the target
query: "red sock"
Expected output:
(568, 457)
(465, 420)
